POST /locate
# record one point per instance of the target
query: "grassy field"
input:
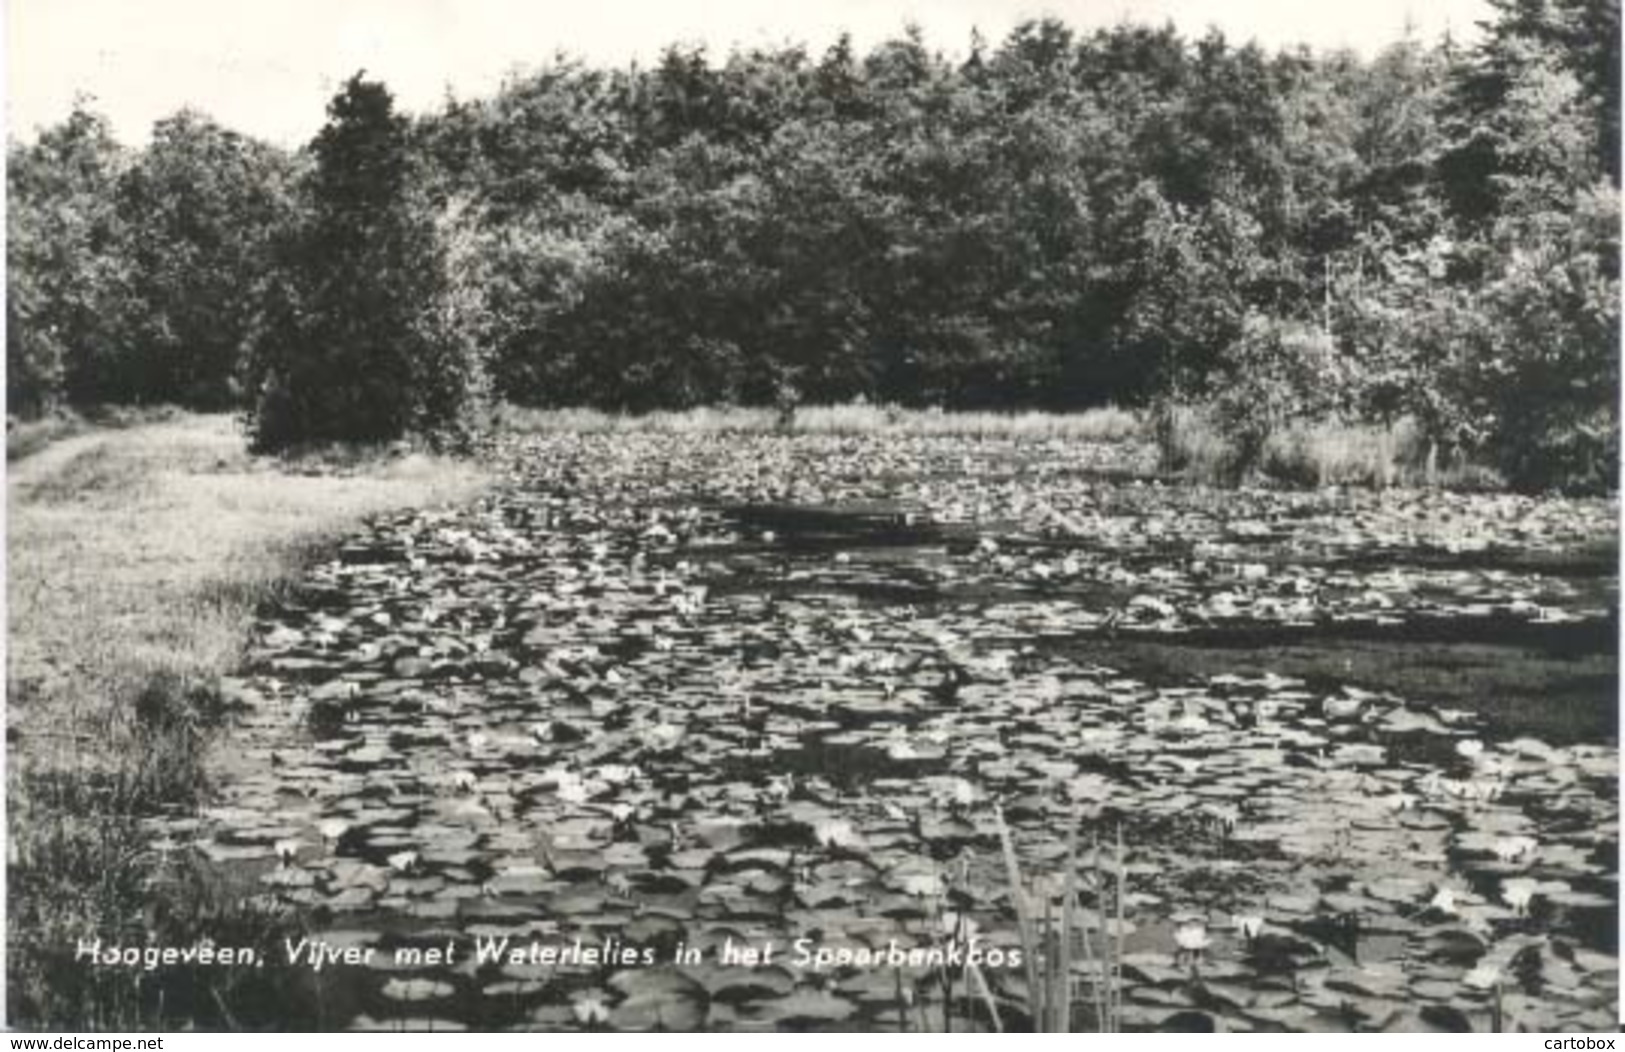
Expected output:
(136, 557)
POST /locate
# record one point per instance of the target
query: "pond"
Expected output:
(665, 697)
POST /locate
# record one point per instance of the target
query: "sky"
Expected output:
(268, 67)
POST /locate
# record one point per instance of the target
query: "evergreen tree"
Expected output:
(367, 334)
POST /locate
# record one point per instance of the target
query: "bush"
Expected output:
(1276, 373)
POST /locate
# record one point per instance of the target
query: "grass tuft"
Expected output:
(1309, 454)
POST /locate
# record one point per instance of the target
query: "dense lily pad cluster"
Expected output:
(663, 700)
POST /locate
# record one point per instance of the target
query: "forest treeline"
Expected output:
(1055, 220)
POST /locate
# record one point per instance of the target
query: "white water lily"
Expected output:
(403, 861)
(590, 1009)
(1223, 817)
(464, 781)
(921, 884)
(616, 773)
(1343, 708)
(1191, 936)
(1444, 900)
(1484, 977)
(902, 750)
(1512, 848)
(1517, 893)
(332, 828)
(835, 832)
(1249, 925)
(287, 851)
(780, 786)
(1470, 748)
(1397, 802)
(571, 788)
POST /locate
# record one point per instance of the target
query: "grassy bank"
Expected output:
(1101, 425)
(135, 560)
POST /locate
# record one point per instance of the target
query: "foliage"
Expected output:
(199, 208)
(66, 282)
(1054, 221)
(367, 333)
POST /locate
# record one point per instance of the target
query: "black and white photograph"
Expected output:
(978, 516)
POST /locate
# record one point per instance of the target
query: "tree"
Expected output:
(199, 208)
(367, 336)
(67, 282)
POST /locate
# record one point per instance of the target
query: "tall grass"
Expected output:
(858, 418)
(135, 561)
(1057, 950)
(1193, 445)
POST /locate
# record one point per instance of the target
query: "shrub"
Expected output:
(1275, 373)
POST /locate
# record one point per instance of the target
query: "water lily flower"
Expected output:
(478, 741)
(332, 829)
(1248, 925)
(1484, 977)
(1512, 848)
(902, 750)
(287, 851)
(1343, 708)
(1397, 802)
(619, 883)
(1444, 900)
(572, 789)
(404, 861)
(1224, 818)
(464, 781)
(835, 832)
(1517, 894)
(1191, 937)
(616, 773)
(589, 1009)
(1470, 749)
(921, 884)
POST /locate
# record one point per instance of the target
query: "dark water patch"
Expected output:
(875, 524)
(1567, 640)
(1562, 699)
(847, 766)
